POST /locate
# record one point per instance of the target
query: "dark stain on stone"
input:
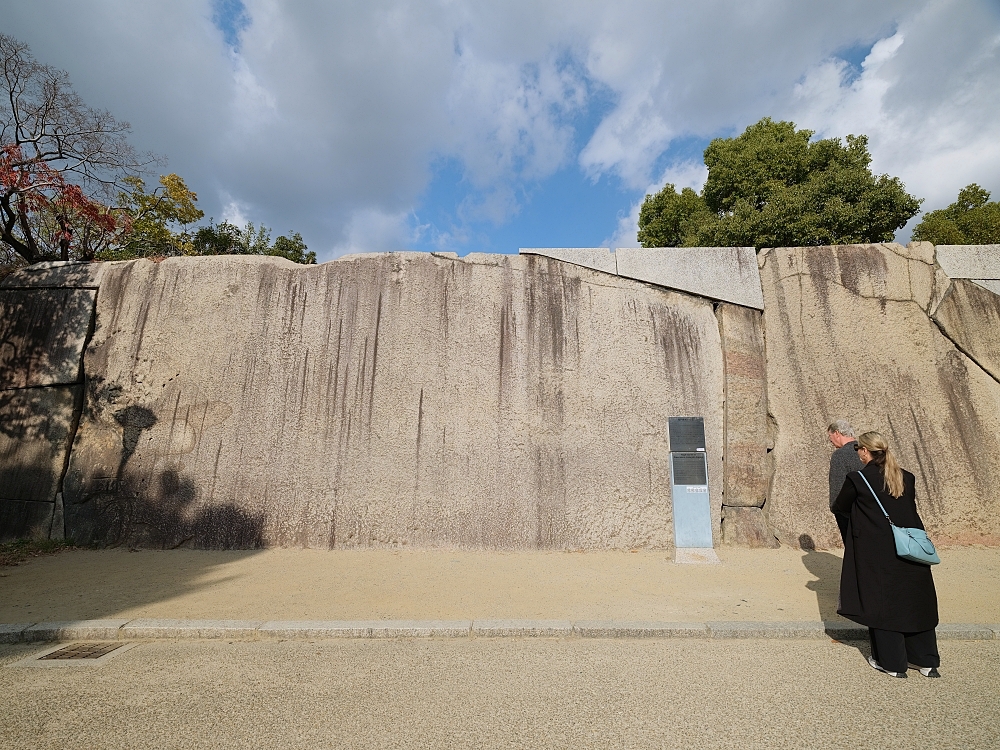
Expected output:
(969, 316)
(420, 427)
(371, 385)
(861, 262)
(977, 443)
(822, 265)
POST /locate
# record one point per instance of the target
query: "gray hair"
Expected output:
(842, 426)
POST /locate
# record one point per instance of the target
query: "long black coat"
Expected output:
(877, 588)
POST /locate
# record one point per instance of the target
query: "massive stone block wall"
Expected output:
(490, 401)
(400, 399)
(42, 336)
(850, 333)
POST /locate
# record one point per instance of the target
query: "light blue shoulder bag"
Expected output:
(911, 544)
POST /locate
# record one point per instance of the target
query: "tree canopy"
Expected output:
(772, 186)
(59, 159)
(71, 185)
(225, 238)
(971, 220)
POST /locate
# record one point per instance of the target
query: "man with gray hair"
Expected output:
(843, 461)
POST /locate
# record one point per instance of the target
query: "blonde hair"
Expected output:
(883, 458)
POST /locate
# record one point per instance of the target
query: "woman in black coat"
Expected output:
(894, 597)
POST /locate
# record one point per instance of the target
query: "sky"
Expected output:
(451, 125)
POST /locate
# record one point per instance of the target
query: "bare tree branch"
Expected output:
(57, 155)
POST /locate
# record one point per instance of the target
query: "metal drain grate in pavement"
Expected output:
(83, 651)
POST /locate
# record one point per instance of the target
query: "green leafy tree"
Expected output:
(672, 219)
(226, 238)
(971, 220)
(772, 186)
(294, 249)
(150, 224)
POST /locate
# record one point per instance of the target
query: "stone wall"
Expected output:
(850, 334)
(397, 399)
(42, 336)
(509, 402)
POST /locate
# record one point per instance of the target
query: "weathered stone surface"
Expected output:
(844, 341)
(970, 261)
(62, 274)
(597, 258)
(144, 629)
(747, 527)
(35, 425)
(42, 333)
(103, 630)
(992, 285)
(395, 399)
(745, 462)
(13, 632)
(618, 629)
(24, 519)
(729, 274)
(521, 628)
(970, 316)
(922, 251)
(742, 629)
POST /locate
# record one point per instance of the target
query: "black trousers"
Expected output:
(893, 650)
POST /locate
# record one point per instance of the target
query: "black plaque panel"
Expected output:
(690, 468)
(686, 433)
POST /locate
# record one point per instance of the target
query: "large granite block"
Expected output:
(597, 258)
(992, 285)
(970, 316)
(747, 527)
(35, 426)
(970, 261)
(746, 461)
(22, 519)
(845, 339)
(507, 402)
(729, 274)
(42, 334)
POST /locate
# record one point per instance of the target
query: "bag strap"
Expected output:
(881, 507)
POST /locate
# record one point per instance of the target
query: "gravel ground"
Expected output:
(514, 693)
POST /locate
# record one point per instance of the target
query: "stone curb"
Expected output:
(521, 628)
(309, 629)
(142, 630)
(159, 629)
(72, 630)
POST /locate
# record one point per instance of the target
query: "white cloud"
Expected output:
(329, 116)
(234, 211)
(928, 97)
(627, 230)
(371, 230)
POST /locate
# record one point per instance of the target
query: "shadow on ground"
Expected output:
(826, 567)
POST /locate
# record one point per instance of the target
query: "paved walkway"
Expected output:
(365, 593)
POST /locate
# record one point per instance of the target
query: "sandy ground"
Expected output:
(297, 584)
(501, 693)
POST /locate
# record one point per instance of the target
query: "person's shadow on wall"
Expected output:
(826, 567)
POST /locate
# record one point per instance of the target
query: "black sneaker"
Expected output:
(929, 671)
(880, 668)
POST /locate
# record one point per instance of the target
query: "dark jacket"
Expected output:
(843, 461)
(877, 588)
